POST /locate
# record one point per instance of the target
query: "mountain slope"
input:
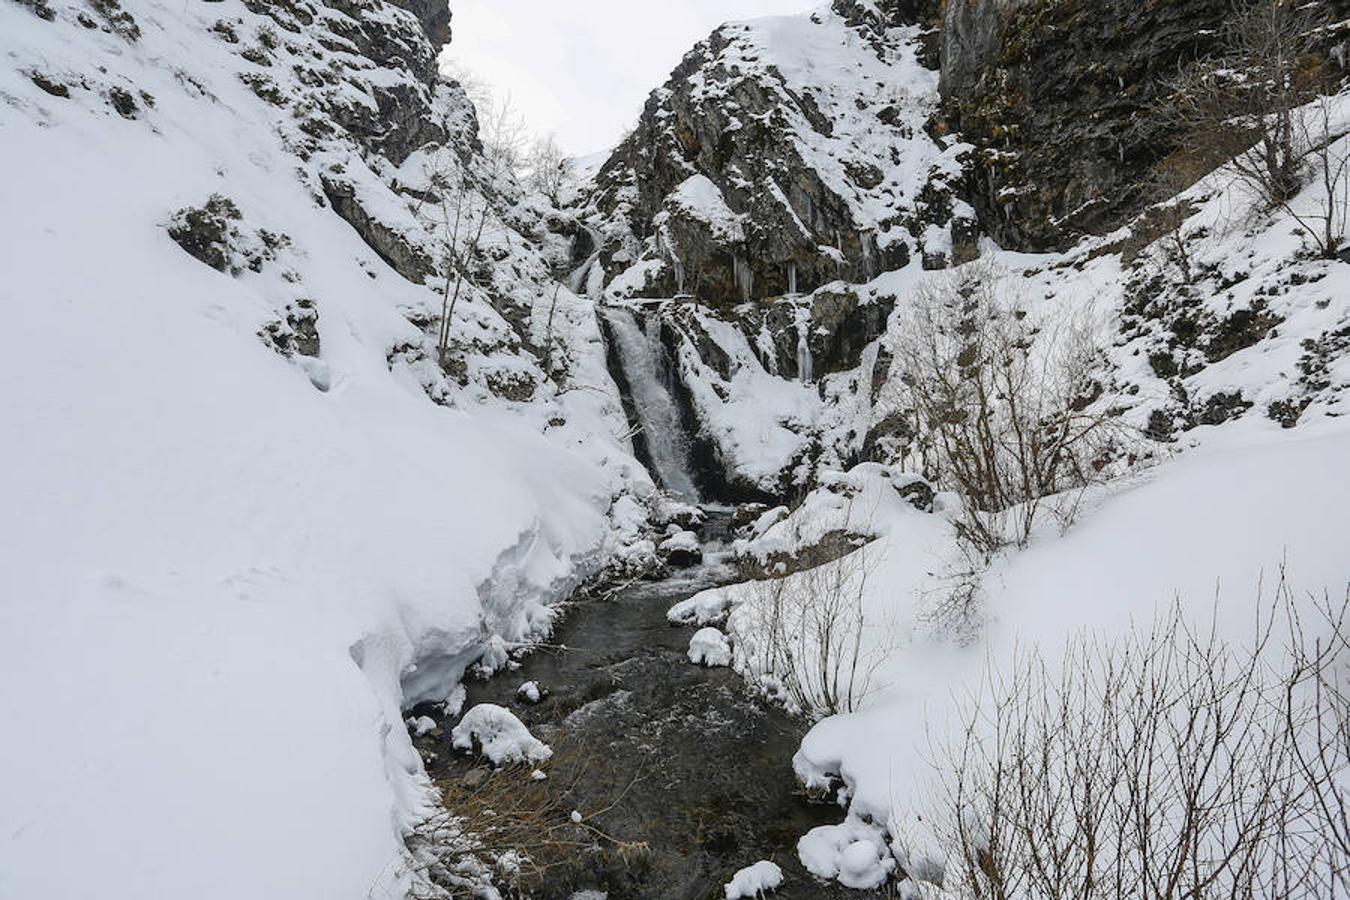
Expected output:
(251, 517)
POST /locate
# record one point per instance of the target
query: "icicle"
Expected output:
(745, 279)
(792, 278)
(804, 362)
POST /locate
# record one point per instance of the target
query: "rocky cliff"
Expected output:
(789, 164)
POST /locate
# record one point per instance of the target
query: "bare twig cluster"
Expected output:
(1004, 411)
(1163, 765)
(469, 198)
(812, 641)
(1261, 107)
(514, 828)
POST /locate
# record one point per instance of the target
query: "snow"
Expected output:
(422, 725)
(704, 608)
(496, 733)
(697, 197)
(682, 542)
(757, 422)
(238, 580)
(709, 647)
(754, 881)
(530, 692)
(852, 854)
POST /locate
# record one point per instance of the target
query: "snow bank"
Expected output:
(496, 733)
(1206, 528)
(233, 576)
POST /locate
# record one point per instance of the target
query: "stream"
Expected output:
(652, 749)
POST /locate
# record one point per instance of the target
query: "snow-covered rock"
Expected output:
(704, 608)
(496, 733)
(682, 548)
(754, 881)
(709, 647)
(530, 692)
(422, 725)
(853, 853)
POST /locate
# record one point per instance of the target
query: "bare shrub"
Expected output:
(811, 643)
(547, 166)
(469, 198)
(1260, 107)
(509, 828)
(1165, 764)
(1005, 411)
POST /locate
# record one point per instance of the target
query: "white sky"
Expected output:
(581, 69)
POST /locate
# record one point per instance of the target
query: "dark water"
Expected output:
(692, 764)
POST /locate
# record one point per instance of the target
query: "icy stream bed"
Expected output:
(651, 749)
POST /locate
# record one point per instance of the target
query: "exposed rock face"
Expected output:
(819, 172)
(392, 245)
(838, 325)
(1057, 98)
(435, 18)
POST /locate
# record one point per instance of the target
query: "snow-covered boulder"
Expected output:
(530, 692)
(704, 608)
(498, 735)
(421, 725)
(682, 549)
(709, 647)
(754, 881)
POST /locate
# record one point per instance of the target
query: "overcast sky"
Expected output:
(582, 68)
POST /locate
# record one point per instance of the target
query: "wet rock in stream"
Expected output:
(680, 774)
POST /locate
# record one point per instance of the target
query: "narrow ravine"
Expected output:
(680, 775)
(652, 750)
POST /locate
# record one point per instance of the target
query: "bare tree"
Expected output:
(469, 201)
(1260, 107)
(548, 167)
(1006, 411)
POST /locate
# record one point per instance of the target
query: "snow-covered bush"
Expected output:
(805, 638)
(1162, 764)
(1004, 404)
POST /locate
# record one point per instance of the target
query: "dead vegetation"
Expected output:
(1164, 764)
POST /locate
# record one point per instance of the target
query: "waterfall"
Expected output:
(869, 265)
(792, 278)
(646, 367)
(679, 274)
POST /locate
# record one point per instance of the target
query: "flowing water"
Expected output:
(681, 758)
(646, 367)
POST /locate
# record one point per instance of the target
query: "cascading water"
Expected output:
(645, 364)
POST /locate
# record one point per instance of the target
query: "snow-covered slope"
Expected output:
(241, 533)
(1234, 378)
